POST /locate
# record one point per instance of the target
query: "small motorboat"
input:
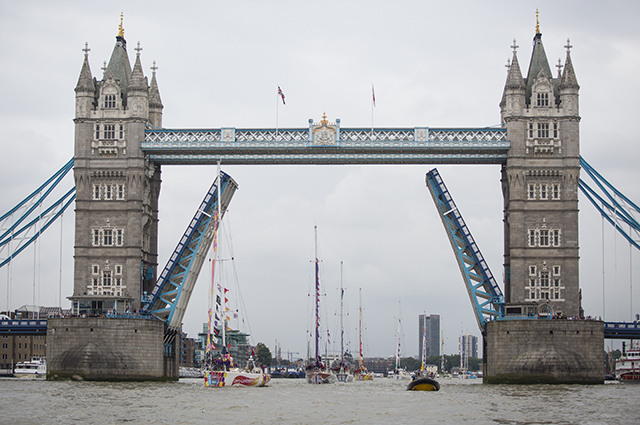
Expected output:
(423, 383)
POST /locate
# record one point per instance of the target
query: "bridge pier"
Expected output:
(544, 352)
(106, 349)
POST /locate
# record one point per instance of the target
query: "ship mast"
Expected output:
(360, 328)
(341, 318)
(315, 229)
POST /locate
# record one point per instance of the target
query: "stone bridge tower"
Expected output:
(116, 188)
(540, 186)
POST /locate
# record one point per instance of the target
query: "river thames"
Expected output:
(293, 401)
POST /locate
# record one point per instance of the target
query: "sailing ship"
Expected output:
(361, 374)
(223, 371)
(422, 381)
(317, 372)
(341, 370)
(399, 373)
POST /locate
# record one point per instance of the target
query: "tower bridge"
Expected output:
(121, 146)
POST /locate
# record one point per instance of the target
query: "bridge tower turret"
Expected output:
(117, 189)
(540, 187)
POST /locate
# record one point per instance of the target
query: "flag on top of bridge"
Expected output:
(373, 95)
(281, 95)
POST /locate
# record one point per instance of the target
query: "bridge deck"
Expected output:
(419, 145)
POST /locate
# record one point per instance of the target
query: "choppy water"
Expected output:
(293, 401)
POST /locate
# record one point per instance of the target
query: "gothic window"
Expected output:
(109, 101)
(97, 131)
(531, 194)
(110, 131)
(120, 192)
(106, 278)
(556, 270)
(531, 132)
(95, 269)
(108, 192)
(121, 135)
(555, 130)
(119, 237)
(107, 239)
(532, 282)
(96, 192)
(543, 130)
(95, 237)
(532, 270)
(532, 238)
(544, 237)
(543, 191)
(555, 191)
(555, 234)
(118, 269)
(544, 279)
(543, 99)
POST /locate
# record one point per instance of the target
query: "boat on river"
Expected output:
(318, 372)
(220, 369)
(422, 381)
(627, 367)
(34, 368)
(361, 373)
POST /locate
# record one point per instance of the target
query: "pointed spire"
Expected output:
(538, 61)
(137, 81)
(514, 76)
(154, 94)
(569, 79)
(85, 81)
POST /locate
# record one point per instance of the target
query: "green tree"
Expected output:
(263, 354)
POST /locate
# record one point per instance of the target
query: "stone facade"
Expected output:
(117, 188)
(544, 351)
(540, 187)
(94, 348)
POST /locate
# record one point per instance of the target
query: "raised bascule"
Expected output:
(120, 146)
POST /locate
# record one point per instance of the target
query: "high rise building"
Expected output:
(468, 348)
(429, 325)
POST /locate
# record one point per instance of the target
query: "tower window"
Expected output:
(544, 279)
(556, 191)
(110, 131)
(121, 136)
(543, 99)
(97, 131)
(108, 192)
(543, 191)
(543, 130)
(532, 238)
(107, 239)
(120, 192)
(119, 237)
(96, 192)
(531, 133)
(556, 237)
(532, 191)
(544, 237)
(110, 101)
(106, 278)
(555, 130)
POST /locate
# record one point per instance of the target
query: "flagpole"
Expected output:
(373, 103)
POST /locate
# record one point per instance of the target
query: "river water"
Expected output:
(293, 401)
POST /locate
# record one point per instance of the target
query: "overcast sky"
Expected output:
(435, 64)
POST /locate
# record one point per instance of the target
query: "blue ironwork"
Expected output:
(17, 232)
(23, 327)
(617, 209)
(485, 294)
(419, 145)
(171, 294)
(622, 330)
